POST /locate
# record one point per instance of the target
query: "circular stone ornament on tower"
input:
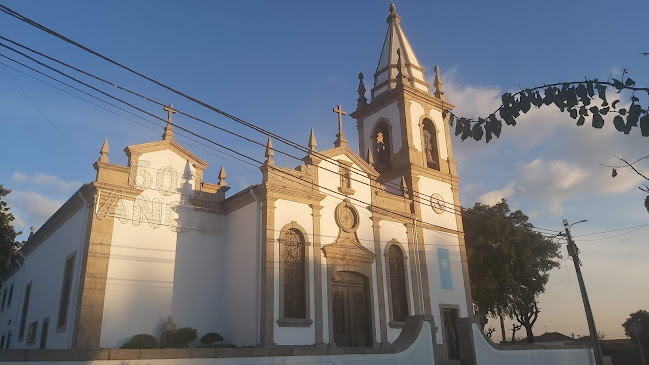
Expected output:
(347, 216)
(437, 202)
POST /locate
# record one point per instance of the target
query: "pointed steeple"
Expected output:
(312, 143)
(103, 153)
(269, 152)
(438, 85)
(386, 71)
(222, 176)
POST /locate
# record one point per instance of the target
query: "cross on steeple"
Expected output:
(169, 133)
(340, 137)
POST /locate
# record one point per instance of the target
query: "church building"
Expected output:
(336, 252)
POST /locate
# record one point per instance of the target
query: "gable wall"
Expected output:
(155, 271)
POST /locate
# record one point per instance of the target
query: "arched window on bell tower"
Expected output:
(431, 150)
(382, 146)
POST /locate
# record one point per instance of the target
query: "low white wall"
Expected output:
(486, 354)
(420, 352)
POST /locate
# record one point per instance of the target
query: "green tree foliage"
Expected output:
(576, 98)
(640, 319)
(7, 232)
(509, 263)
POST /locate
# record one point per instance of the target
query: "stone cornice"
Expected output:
(399, 94)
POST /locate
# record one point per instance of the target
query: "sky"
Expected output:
(283, 65)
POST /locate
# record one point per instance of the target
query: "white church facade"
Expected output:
(336, 252)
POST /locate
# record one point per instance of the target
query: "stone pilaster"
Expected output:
(317, 275)
(379, 280)
(423, 264)
(267, 311)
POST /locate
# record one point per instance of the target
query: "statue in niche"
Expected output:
(168, 330)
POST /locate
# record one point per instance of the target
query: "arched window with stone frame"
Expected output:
(396, 259)
(294, 292)
(431, 149)
(382, 145)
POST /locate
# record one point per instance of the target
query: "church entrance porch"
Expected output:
(351, 320)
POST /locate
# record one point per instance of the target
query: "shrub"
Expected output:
(141, 341)
(211, 338)
(184, 335)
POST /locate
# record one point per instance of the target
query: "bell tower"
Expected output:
(402, 127)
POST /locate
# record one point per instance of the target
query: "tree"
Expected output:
(574, 97)
(640, 319)
(7, 232)
(508, 261)
(628, 164)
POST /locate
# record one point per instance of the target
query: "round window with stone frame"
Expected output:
(347, 217)
(438, 204)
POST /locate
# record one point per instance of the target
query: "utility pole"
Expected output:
(574, 252)
(637, 325)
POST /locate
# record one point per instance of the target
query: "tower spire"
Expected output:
(385, 77)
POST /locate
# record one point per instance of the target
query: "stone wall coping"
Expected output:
(408, 335)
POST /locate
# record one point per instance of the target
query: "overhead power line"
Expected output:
(41, 27)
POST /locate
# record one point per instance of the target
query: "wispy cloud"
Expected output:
(31, 208)
(52, 183)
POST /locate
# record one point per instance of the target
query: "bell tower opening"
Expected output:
(431, 150)
(382, 146)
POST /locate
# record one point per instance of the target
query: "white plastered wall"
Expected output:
(241, 273)
(44, 268)
(456, 297)
(155, 272)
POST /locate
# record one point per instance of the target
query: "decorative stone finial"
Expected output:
(370, 158)
(269, 152)
(404, 187)
(169, 132)
(31, 232)
(312, 143)
(362, 100)
(438, 85)
(340, 137)
(393, 14)
(222, 176)
(103, 153)
(402, 74)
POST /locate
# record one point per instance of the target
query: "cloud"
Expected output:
(495, 196)
(49, 181)
(31, 208)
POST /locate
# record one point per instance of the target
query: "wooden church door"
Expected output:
(351, 318)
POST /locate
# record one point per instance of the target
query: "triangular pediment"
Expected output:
(139, 149)
(356, 159)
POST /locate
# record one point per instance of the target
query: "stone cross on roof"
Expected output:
(340, 137)
(169, 132)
